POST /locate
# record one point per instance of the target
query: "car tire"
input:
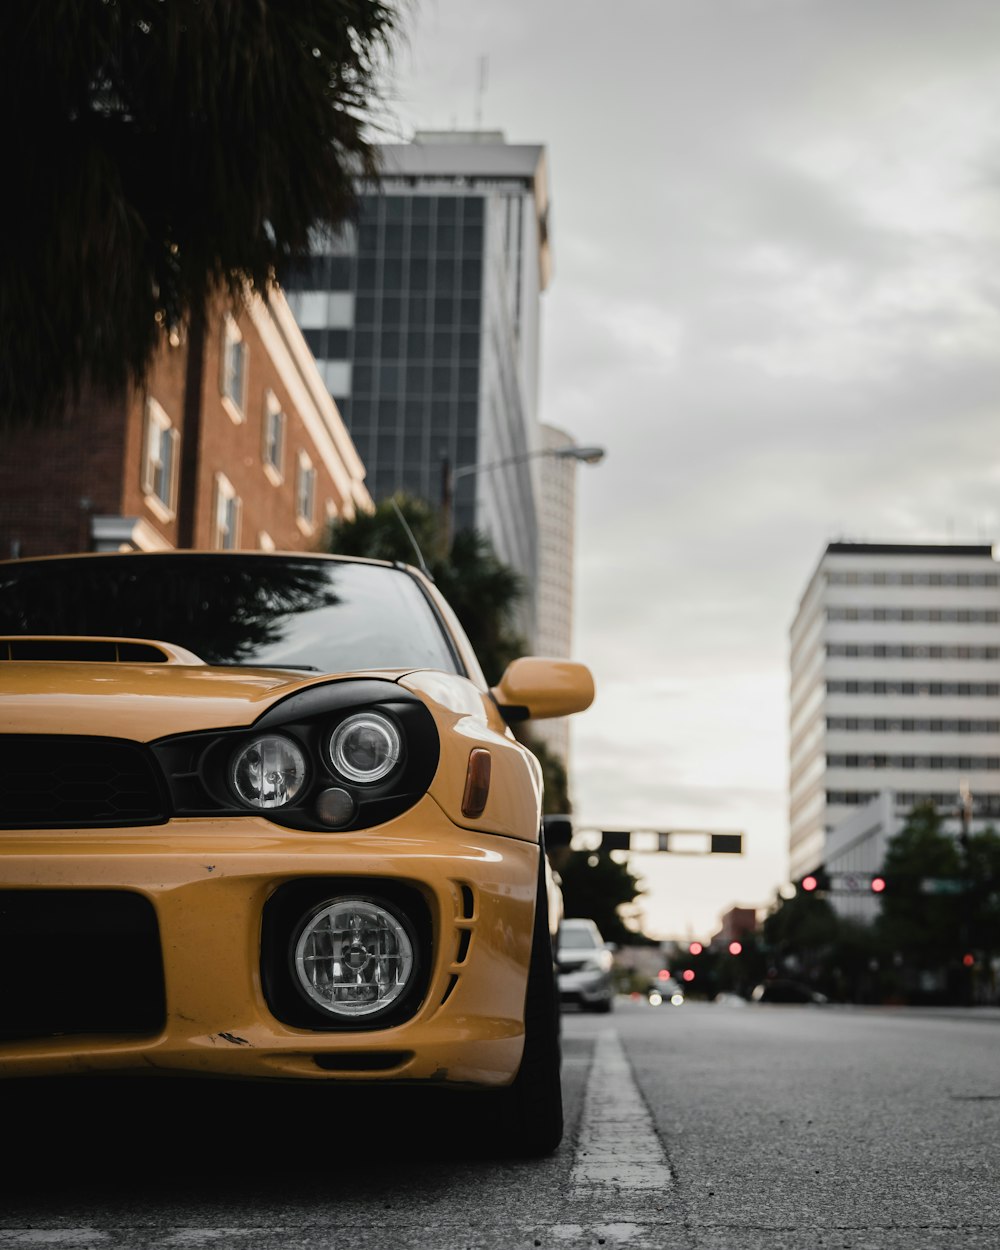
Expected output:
(603, 1007)
(529, 1112)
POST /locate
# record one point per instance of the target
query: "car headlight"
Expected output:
(353, 957)
(268, 771)
(365, 747)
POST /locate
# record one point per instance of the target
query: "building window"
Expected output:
(226, 536)
(233, 382)
(273, 453)
(305, 493)
(159, 462)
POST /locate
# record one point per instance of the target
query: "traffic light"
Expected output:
(695, 948)
(815, 882)
(735, 948)
(878, 885)
(616, 840)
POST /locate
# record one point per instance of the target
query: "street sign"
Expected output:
(943, 885)
(674, 841)
(559, 830)
(850, 883)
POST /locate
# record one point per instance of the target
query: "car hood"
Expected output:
(144, 702)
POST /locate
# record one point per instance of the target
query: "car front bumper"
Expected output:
(585, 987)
(209, 881)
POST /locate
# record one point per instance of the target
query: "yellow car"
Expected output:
(263, 818)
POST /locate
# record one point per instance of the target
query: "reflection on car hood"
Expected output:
(143, 702)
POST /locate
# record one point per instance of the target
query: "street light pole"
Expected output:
(449, 476)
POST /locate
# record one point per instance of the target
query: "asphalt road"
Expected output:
(702, 1127)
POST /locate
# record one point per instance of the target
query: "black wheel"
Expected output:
(530, 1111)
(602, 1008)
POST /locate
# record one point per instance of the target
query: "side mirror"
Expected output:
(537, 688)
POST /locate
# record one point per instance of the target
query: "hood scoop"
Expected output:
(81, 650)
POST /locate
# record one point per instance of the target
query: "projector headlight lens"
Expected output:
(365, 747)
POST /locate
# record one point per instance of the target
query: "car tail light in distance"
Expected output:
(268, 771)
(366, 747)
(353, 957)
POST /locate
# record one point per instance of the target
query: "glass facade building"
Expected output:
(424, 318)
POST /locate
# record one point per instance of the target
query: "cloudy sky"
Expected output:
(777, 304)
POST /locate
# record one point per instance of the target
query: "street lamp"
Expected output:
(449, 476)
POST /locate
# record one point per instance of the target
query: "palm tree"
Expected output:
(157, 151)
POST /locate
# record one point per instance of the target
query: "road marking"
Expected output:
(618, 1150)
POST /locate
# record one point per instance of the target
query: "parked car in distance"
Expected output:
(263, 818)
(585, 963)
(781, 990)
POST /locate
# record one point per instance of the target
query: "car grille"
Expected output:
(79, 961)
(65, 782)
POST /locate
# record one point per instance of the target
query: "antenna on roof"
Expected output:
(421, 563)
(484, 72)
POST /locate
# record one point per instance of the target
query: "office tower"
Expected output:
(895, 685)
(424, 320)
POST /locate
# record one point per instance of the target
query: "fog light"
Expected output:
(352, 957)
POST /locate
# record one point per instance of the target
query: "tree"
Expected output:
(161, 151)
(799, 935)
(924, 929)
(982, 859)
(483, 591)
(594, 885)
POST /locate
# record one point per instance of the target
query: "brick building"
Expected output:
(231, 441)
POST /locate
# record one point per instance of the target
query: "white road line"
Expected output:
(618, 1150)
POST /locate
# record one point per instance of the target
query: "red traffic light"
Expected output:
(687, 975)
(968, 960)
(878, 885)
(735, 948)
(809, 884)
(695, 948)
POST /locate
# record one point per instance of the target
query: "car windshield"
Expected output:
(269, 611)
(574, 939)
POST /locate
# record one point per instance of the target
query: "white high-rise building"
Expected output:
(895, 685)
(556, 561)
